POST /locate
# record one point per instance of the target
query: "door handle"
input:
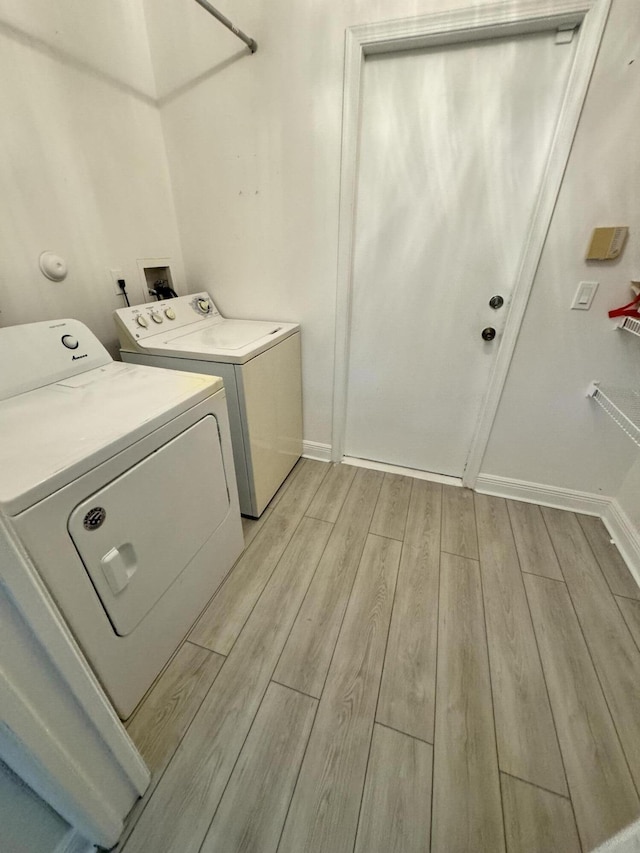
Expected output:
(488, 334)
(119, 566)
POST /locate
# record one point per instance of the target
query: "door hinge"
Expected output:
(564, 35)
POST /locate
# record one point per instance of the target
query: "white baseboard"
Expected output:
(74, 843)
(617, 522)
(537, 493)
(625, 536)
(316, 450)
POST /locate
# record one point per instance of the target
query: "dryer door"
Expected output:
(137, 534)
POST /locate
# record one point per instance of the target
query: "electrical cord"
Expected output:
(123, 287)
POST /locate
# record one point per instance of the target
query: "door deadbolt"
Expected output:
(496, 302)
(488, 334)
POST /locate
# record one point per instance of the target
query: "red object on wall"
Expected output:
(630, 310)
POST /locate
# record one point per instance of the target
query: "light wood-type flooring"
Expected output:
(397, 666)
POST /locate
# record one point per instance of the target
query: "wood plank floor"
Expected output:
(399, 666)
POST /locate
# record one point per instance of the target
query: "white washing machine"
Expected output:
(260, 364)
(119, 481)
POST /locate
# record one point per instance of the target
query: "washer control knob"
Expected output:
(157, 318)
(204, 305)
(169, 313)
(70, 342)
(142, 321)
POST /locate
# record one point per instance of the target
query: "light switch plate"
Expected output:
(584, 295)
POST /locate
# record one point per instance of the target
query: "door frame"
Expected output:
(510, 18)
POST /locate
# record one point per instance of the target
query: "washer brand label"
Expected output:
(94, 518)
(76, 357)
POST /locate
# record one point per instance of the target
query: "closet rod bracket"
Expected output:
(250, 43)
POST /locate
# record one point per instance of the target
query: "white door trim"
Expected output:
(513, 17)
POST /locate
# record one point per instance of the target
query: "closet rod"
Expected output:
(250, 43)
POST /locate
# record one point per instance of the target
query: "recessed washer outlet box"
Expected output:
(153, 270)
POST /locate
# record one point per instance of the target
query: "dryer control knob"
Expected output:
(69, 341)
(169, 313)
(142, 321)
(157, 318)
(204, 305)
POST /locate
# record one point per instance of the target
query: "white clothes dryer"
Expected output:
(260, 365)
(119, 481)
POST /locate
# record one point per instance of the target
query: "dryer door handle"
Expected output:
(119, 566)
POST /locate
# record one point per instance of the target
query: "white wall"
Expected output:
(254, 152)
(83, 169)
(546, 431)
(28, 824)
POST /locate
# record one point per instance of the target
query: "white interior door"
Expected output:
(453, 146)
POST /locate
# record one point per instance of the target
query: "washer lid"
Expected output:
(233, 341)
(52, 435)
(192, 327)
(231, 334)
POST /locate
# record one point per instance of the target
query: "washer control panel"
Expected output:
(142, 321)
(203, 305)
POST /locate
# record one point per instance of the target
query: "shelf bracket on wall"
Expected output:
(622, 405)
(630, 324)
(250, 43)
